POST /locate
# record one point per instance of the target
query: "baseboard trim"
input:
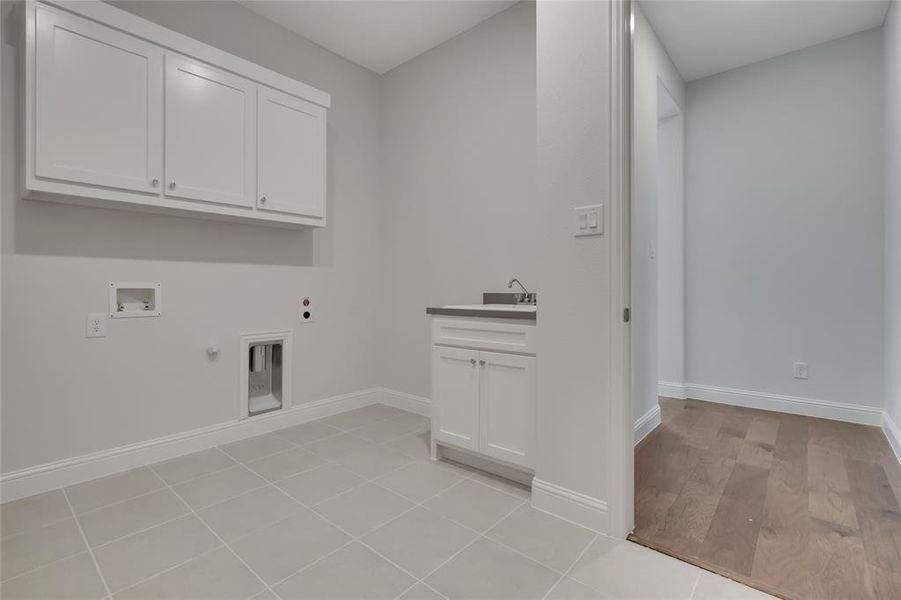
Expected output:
(51, 476)
(646, 423)
(575, 507)
(671, 389)
(410, 402)
(892, 434)
(796, 405)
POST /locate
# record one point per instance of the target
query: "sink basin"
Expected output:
(516, 307)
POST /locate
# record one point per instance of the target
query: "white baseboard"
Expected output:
(892, 434)
(646, 423)
(671, 389)
(796, 405)
(50, 476)
(405, 401)
(575, 507)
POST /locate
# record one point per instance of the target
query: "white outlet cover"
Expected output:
(800, 370)
(95, 325)
(588, 220)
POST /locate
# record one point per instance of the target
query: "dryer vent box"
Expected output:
(265, 377)
(131, 299)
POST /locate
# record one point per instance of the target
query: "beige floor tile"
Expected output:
(127, 561)
(285, 464)
(417, 423)
(277, 551)
(488, 570)
(503, 484)
(420, 591)
(35, 511)
(542, 537)
(115, 488)
(256, 447)
(364, 508)
(714, 587)
(620, 569)
(338, 446)
(251, 511)
(414, 444)
(570, 589)
(383, 411)
(75, 577)
(374, 462)
(308, 432)
(420, 540)
(352, 572)
(265, 595)
(420, 481)
(218, 487)
(217, 575)
(383, 431)
(319, 484)
(106, 524)
(351, 419)
(194, 465)
(37, 547)
(473, 504)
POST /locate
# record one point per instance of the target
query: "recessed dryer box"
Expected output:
(135, 299)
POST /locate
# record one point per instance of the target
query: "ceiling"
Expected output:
(378, 34)
(704, 37)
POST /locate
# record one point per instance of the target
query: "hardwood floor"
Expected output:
(798, 507)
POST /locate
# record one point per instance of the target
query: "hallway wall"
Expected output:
(892, 132)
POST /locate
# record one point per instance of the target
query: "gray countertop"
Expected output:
(498, 311)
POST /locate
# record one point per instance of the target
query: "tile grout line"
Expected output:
(218, 537)
(566, 573)
(694, 588)
(172, 568)
(88, 546)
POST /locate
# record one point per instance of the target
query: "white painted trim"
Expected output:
(795, 405)
(50, 476)
(404, 401)
(646, 423)
(892, 434)
(671, 389)
(575, 507)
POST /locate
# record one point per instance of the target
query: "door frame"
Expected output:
(622, 469)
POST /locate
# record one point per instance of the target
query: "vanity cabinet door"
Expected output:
(98, 99)
(507, 419)
(455, 396)
(210, 134)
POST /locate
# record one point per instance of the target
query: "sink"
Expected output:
(516, 307)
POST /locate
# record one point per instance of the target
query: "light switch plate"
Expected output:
(588, 220)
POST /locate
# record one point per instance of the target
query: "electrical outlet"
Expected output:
(800, 370)
(306, 311)
(95, 325)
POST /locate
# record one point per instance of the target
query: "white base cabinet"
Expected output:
(483, 400)
(122, 113)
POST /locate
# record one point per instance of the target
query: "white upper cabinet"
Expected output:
(291, 168)
(98, 105)
(122, 113)
(210, 145)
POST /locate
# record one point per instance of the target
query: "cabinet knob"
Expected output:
(472, 361)
(482, 363)
(154, 182)
(172, 185)
(262, 199)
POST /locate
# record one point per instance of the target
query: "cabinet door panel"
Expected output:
(210, 141)
(291, 149)
(507, 422)
(455, 394)
(98, 105)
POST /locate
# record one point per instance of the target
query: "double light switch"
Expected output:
(589, 220)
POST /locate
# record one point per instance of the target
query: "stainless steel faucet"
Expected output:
(526, 297)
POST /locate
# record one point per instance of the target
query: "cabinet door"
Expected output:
(210, 140)
(291, 154)
(98, 105)
(455, 394)
(507, 420)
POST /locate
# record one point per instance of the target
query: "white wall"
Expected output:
(652, 68)
(457, 165)
(574, 375)
(64, 395)
(892, 168)
(784, 224)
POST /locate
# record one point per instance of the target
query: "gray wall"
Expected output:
(458, 163)
(64, 395)
(892, 132)
(784, 224)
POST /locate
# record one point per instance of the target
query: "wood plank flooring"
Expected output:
(801, 508)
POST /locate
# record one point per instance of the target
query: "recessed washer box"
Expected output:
(129, 299)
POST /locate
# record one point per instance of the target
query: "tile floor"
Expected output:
(345, 507)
